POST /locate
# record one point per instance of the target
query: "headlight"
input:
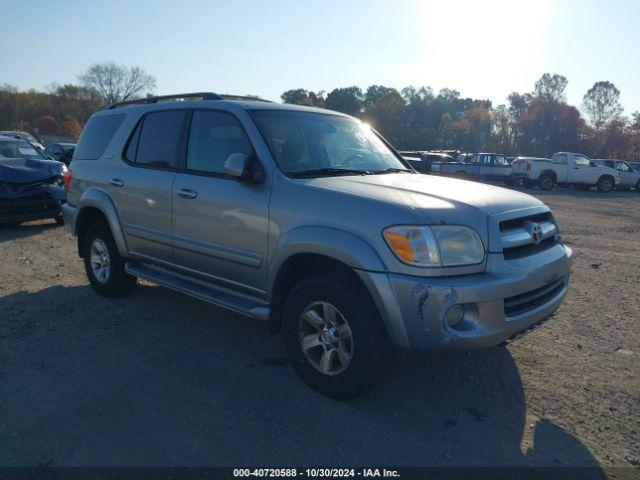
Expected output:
(435, 246)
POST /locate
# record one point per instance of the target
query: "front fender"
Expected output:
(340, 245)
(99, 199)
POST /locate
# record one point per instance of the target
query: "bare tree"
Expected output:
(551, 87)
(117, 83)
(602, 102)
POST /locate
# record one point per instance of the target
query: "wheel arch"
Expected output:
(549, 172)
(95, 205)
(309, 250)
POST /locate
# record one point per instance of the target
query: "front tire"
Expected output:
(103, 263)
(605, 184)
(334, 336)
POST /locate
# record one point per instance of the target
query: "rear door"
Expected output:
(141, 184)
(220, 224)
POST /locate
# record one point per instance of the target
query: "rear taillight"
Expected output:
(528, 167)
(66, 178)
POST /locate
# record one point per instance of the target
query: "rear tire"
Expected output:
(358, 355)
(638, 186)
(546, 182)
(103, 263)
(605, 184)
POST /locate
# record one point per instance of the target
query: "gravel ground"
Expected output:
(161, 379)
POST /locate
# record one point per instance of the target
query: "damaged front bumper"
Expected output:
(507, 300)
(32, 202)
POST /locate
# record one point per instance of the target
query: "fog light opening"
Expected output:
(454, 315)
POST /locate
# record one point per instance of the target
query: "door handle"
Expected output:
(116, 182)
(187, 193)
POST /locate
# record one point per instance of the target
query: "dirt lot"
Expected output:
(161, 379)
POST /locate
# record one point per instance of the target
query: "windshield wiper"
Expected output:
(329, 171)
(390, 170)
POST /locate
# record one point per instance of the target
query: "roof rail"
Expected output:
(183, 96)
(177, 96)
(244, 97)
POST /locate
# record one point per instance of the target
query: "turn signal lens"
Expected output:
(413, 245)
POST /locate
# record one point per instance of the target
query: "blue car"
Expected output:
(31, 185)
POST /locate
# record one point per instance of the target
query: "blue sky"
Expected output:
(483, 48)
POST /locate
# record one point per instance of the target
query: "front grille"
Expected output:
(517, 223)
(514, 253)
(517, 238)
(43, 202)
(525, 302)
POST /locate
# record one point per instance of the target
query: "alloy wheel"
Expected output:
(325, 338)
(100, 260)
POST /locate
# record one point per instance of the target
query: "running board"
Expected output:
(245, 305)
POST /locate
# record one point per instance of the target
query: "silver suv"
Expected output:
(309, 220)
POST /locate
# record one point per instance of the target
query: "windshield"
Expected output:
(316, 142)
(19, 149)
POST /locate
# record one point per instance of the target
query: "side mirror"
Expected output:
(244, 168)
(592, 164)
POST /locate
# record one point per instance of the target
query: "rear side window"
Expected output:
(156, 140)
(96, 135)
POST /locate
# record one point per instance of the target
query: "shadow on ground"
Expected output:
(161, 379)
(10, 232)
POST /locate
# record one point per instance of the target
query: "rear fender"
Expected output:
(96, 198)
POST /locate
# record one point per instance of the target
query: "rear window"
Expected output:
(96, 135)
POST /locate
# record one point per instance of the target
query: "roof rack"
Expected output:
(244, 97)
(182, 96)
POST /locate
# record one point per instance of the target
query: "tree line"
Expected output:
(536, 123)
(64, 109)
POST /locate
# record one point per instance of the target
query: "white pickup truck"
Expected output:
(564, 168)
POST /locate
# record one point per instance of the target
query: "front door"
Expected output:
(627, 176)
(583, 171)
(220, 224)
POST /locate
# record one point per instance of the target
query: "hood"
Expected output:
(435, 196)
(22, 170)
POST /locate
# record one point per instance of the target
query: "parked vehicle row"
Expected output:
(562, 169)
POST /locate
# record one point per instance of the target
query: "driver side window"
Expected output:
(212, 138)
(582, 161)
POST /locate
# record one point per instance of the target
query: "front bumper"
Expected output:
(505, 301)
(37, 204)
